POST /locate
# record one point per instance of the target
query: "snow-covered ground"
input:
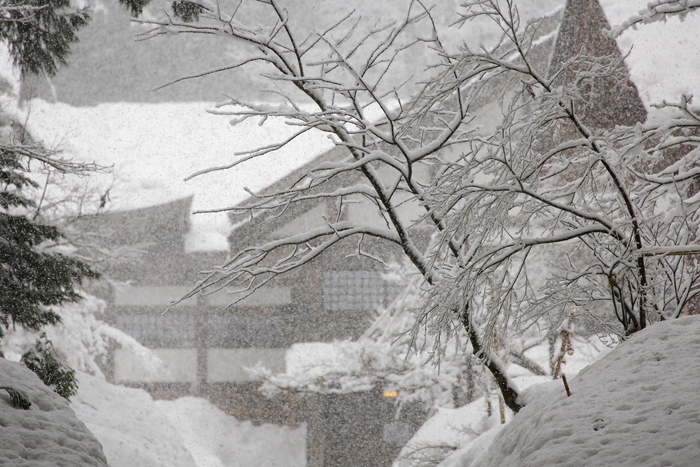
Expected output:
(136, 431)
(124, 427)
(131, 428)
(216, 439)
(639, 405)
(475, 424)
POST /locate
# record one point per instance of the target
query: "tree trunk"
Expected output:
(505, 384)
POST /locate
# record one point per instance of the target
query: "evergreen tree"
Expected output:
(32, 278)
(39, 33)
(45, 362)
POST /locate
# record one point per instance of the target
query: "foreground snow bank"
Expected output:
(48, 434)
(638, 406)
(137, 431)
(449, 428)
(216, 439)
(458, 436)
(133, 431)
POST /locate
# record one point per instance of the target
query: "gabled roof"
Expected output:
(611, 100)
(661, 59)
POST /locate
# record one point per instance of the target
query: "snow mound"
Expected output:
(133, 431)
(46, 435)
(216, 439)
(638, 406)
(447, 430)
(138, 431)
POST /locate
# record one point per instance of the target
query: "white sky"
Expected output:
(664, 59)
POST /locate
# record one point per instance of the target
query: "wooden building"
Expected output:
(206, 345)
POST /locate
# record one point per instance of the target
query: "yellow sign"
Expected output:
(393, 393)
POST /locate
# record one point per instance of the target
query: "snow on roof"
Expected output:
(48, 433)
(663, 57)
(153, 147)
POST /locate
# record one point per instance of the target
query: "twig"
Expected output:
(566, 385)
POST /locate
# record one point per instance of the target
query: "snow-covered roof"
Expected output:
(154, 147)
(663, 59)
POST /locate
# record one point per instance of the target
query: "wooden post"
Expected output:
(566, 385)
(502, 410)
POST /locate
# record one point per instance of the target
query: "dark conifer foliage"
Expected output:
(39, 33)
(32, 278)
(187, 11)
(45, 362)
(135, 6)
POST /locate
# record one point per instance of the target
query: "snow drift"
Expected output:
(637, 406)
(133, 431)
(46, 435)
(138, 431)
(216, 439)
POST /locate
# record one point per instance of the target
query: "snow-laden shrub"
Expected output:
(81, 339)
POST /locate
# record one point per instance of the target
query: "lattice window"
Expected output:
(150, 328)
(361, 290)
(251, 329)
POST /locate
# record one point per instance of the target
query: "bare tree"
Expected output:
(616, 209)
(491, 200)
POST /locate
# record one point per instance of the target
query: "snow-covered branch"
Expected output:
(657, 10)
(483, 167)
